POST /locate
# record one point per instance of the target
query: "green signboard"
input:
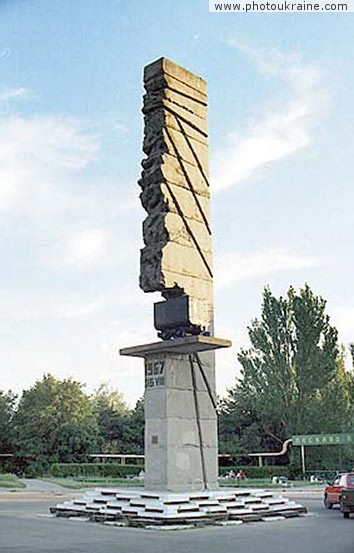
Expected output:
(323, 439)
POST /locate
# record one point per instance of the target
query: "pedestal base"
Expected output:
(180, 423)
(180, 413)
(142, 508)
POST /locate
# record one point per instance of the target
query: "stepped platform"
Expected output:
(150, 509)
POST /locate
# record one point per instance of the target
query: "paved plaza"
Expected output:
(26, 526)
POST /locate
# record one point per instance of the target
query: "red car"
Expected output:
(333, 491)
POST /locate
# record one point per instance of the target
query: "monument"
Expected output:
(180, 400)
(181, 468)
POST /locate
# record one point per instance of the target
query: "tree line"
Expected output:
(56, 421)
(293, 380)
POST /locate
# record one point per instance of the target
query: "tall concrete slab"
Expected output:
(177, 257)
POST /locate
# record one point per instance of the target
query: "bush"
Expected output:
(112, 470)
(267, 471)
(10, 481)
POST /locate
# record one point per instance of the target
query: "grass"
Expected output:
(8, 480)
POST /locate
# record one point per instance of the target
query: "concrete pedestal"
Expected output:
(180, 416)
(180, 423)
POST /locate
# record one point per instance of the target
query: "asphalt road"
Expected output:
(26, 526)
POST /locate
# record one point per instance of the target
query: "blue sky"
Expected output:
(281, 144)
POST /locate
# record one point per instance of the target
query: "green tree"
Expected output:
(238, 430)
(351, 348)
(134, 429)
(292, 379)
(121, 429)
(54, 422)
(7, 409)
(111, 412)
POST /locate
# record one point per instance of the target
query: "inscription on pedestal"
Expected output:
(154, 374)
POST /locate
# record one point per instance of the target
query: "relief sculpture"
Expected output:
(177, 257)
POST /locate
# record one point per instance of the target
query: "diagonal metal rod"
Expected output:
(210, 393)
(185, 172)
(200, 167)
(197, 414)
(185, 120)
(186, 224)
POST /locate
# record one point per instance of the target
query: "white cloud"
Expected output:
(88, 246)
(4, 53)
(52, 201)
(36, 154)
(343, 320)
(35, 306)
(228, 368)
(12, 93)
(286, 124)
(78, 248)
(234, 267)
(122, 128)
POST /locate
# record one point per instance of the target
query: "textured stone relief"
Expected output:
(177, 257)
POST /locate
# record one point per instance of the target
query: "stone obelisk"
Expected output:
(181, 466)
(180, 399)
